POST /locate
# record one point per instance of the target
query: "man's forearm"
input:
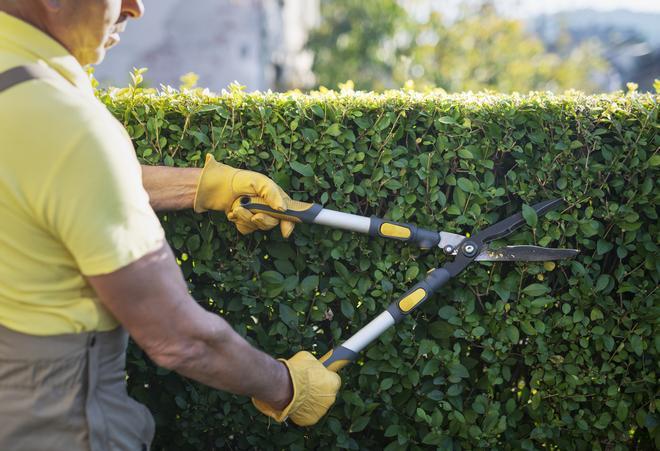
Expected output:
(222, 359)
(150, 299)
(170, 188)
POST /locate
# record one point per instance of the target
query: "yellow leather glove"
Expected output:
(220, 186)
(314, 391)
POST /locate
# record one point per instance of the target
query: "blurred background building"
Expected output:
(456, 45)
(259, 43)
(630, 41)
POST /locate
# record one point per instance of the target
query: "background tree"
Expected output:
(381, 45)
(357, 40)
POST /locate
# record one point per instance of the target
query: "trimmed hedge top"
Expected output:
(508, 356)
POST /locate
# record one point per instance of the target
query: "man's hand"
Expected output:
(221, 185)
(314, 391)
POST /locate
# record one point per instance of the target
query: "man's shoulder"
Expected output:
(56, 101)
(53, 114)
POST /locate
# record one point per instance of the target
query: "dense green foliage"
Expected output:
(509, 356)
(384, 45)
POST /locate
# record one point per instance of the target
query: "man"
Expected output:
(83, 257)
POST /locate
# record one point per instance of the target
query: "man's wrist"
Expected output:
(285, 385)
(169, 188)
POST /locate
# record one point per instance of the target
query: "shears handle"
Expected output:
(315, 214)
(296, 211)
(349, 350)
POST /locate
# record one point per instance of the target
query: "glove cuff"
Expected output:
(279, 415)
(210, 184)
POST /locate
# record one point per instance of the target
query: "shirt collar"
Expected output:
(38, 46)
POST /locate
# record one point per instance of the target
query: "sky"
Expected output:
(530, 8)
(535, 7)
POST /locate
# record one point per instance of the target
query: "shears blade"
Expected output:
(525, 253)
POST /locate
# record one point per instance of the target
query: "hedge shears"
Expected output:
(465, 249)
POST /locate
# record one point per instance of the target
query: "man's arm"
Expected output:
(150, 298)
(170, 188)
(216, 187)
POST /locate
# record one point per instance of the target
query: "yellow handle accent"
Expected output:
(336, 365)
(297, 205)
(394, 231)
(279, 215)
(409, 302)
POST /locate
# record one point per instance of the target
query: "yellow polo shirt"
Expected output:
(71, 196)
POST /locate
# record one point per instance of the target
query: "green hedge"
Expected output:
(509, 356)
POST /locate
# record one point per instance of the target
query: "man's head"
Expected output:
(87, 28)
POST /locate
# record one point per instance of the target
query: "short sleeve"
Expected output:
(95, 203)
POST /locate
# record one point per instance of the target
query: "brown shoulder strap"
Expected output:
(20, 74)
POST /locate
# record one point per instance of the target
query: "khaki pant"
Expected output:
(68, 392)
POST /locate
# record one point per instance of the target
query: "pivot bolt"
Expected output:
(469, 249)
(449, 249)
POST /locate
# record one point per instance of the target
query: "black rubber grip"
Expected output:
(338, 358)
(424, 239)
(432, 283)
(304, 213)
